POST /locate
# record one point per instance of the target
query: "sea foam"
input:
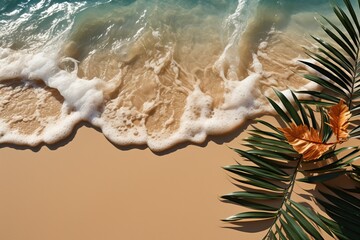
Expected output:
(144, 74)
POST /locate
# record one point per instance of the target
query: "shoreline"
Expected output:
(223, 138)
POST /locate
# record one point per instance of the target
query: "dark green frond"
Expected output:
(340, 42)
(334, 54)
(250, 215)
(323, 177)
(265, 174)
(269, 126)
(275, 135)
(343, 208)
(339, 63)
(294, 226)
(317, 103)
(306, 225)
(335, 228)
(339, 162)
(260, 161)
(312, 216)
(325, 129)
(301, 109)
(333, 82)
(257, 138)
(249, 203)
(348, 25)
(312, 117)
(281, 113)
(251, 195)
(342, 35)
(353, 14)
(275, 155)
(289, 107)
(339, 68)
(321, 95)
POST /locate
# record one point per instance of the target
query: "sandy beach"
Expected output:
(158, 73)
(90, 189)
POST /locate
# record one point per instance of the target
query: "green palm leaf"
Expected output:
(306, 225)
(338, 62)
(311, 216)
(272, 171)
(250, 215)
(344, 210)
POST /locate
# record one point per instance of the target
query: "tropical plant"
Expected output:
(306, 148)
(338, 63)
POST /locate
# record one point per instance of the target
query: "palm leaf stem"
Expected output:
(287, 196)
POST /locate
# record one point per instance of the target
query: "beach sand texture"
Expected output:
(137, 120)
(107, 193)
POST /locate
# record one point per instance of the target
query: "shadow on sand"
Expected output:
(219, 139)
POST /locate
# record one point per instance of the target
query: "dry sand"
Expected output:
(90, 189)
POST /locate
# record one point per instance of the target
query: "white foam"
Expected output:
(82, 98)
(198, 120)
(236, 23)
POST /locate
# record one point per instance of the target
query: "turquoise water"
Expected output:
(146, 71)
(30, 23)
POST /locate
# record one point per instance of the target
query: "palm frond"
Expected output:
(338, 61)
(343, 207)
(272, 169)
(268, 179)
(269, 182)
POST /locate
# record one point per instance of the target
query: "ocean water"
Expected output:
(155, 72)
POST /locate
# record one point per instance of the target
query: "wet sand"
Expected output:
(90, 189)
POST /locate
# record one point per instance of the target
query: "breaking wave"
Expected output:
(145, 72)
